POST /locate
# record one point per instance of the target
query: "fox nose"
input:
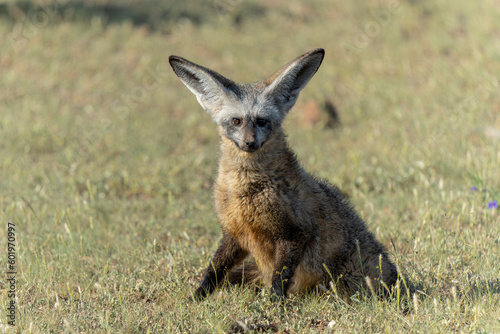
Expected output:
(251, 144)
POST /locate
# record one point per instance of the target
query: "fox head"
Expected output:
(248, 114)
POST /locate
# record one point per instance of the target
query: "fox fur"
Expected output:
(300, 230)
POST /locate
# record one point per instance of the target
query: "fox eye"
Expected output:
(261, 122)
(236, 121)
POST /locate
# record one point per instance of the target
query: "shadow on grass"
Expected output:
(156, 15)
(481, 286)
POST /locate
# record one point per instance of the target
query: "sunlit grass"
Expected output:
(107, 162)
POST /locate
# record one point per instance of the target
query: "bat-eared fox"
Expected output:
(300, 230)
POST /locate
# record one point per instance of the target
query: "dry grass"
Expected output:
(107, 161)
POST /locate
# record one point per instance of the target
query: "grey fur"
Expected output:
(301, 231)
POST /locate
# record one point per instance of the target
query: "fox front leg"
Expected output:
(287, 257)
(227, 256)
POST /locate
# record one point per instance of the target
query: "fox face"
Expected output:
(248, 133)
(249, 114)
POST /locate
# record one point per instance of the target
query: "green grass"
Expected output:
(107, 161)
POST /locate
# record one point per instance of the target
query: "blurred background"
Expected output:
(107, 161)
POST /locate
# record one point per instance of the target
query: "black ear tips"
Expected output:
(320, 50)
(174, 59)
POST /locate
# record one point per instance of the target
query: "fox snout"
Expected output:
(249, 145)
(249, 142)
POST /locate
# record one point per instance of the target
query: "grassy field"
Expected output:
(107, 161)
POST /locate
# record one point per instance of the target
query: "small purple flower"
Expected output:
(473, 188)
(492, 205)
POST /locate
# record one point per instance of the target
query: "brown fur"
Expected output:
(266, 198)
(301, 231)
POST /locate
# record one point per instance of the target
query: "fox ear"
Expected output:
(286, 83)
(210, 88)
